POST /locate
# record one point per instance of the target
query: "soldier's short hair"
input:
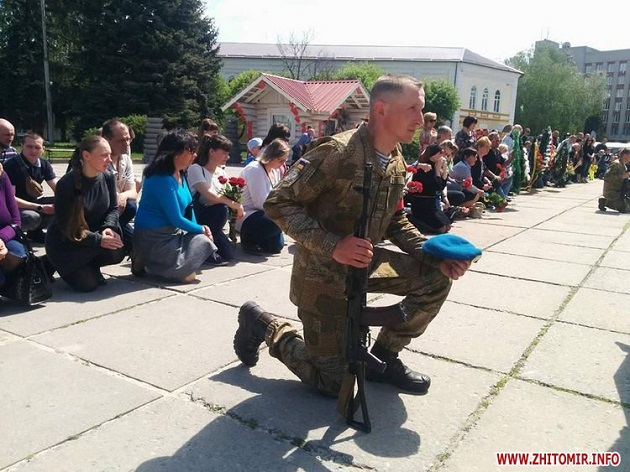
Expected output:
(387, 85)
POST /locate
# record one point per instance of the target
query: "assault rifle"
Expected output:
(357, 335)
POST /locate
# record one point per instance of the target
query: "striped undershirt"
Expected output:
(383, 159)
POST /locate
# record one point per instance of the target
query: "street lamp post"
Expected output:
(49, 113)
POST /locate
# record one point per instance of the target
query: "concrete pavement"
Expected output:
(531, 353)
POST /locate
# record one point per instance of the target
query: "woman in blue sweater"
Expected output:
(167, 241)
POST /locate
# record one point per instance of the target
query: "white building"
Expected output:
(487, 89)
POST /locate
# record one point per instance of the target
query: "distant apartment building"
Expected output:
(616, 112)
(487, 88)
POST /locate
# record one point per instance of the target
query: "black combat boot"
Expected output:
(397, 373)
(252, 326)
(601, 204)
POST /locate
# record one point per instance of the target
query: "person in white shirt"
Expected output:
(212, 208)
(259, 234)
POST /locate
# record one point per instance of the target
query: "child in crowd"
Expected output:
(253, 149)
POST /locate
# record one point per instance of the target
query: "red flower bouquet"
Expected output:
(232, 189)
(411, 169)
(414, 187)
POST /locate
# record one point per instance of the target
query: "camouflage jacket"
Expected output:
(319, 201)
(613, 181)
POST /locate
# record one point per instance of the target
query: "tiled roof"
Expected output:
(314, 96)
(366, 53)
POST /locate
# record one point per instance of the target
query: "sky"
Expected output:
(497, 30)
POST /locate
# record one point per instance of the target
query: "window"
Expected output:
(611, 65)
(626, 129)
(285, 119)
(619, 93)
(497, 101)
(627, 120)
(589, 68)
(604, 118)
(472, 103)
(617, 105)
(599, 67)
(609, 80)
(607, 104)
(616, 117)
(484, 100)
(628, 105)
(622, 67)
(614, 129)
(621, 80)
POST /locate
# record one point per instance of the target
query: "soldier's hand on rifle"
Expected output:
(454, 269)
(353, 251)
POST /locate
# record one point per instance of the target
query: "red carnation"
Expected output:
(414, 187)
(412, 169)
(467, 183)
(222, 180)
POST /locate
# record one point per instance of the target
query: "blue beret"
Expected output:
(451, 246)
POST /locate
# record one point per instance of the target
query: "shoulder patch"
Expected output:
(294, 172)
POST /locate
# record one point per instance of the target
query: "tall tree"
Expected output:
(154, 57)
(441, 97)
(552, 92)
(22, 100)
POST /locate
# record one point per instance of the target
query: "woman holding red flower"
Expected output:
(207, 182)
(259, 234)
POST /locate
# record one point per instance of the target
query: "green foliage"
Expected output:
(111, 58)
(553, 92)
(441, 97)
(139, 125)
(94, 131)
(242, 80)
(22, 100)
(365, 72)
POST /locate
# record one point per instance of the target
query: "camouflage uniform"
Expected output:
(613, 186)
(319, 202)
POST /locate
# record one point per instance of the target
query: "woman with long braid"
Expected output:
(84, 234)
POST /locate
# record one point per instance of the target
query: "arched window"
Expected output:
(473, 98)
(484, 100)
(497, 101)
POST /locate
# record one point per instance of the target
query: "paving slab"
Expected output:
(599, 309)
(523, 245)
(48, 398)
(532, 419)
(604, 278)
(507, 294)
(6, 338)
(623, 243)
(270, 289)
(582, 359)
(408, 432)
(575, 225)
(174, 435)
(477, 336)
(562, 237)
(482, 235)
(207, 276)
(529, 268)
(520, 218)
(62, 309)
(167, 344)
(616, 260)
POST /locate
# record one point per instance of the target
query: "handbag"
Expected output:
(29, 283)
(33, 188)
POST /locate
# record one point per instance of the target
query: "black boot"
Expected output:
(252, 326)
(397, 373)
(601, 204)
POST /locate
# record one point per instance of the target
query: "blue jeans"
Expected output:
(16, 248)
(215, 217)
(259, 230)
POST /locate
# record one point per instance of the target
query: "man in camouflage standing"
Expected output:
(318, 204)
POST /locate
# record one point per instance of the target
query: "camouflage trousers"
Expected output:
(317, 358)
